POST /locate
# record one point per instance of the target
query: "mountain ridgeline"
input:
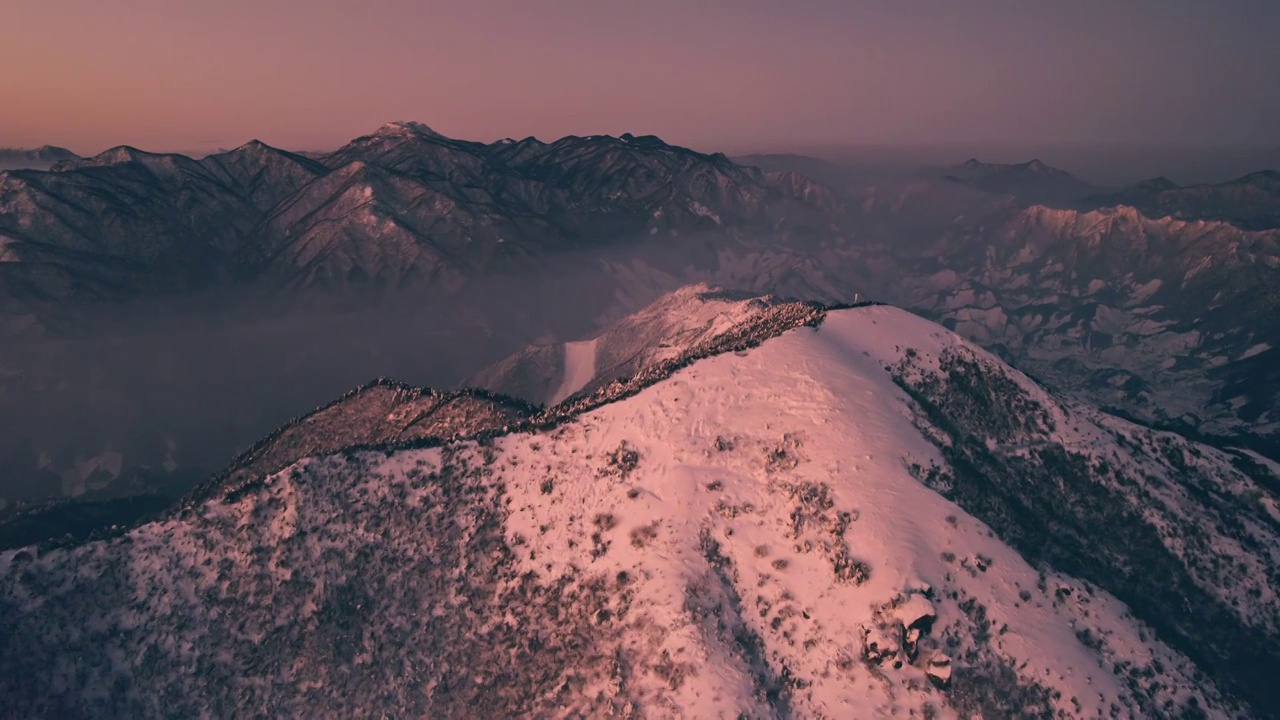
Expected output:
(402, 206)
(41, 158)
(779, 510)
(136, 286)
(257, 282)
(1251, 202)
(664, 447)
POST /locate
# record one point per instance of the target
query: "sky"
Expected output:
(746, 75)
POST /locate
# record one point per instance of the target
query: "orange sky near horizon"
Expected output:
(196, 76)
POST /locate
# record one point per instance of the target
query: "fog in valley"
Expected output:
(155, 396)
(161, 394)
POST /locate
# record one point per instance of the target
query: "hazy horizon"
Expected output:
(746, 76)
(1104, 163)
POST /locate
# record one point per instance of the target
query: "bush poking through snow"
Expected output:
(785, 455)
(622, 461)
(643, 535)
(849, 569)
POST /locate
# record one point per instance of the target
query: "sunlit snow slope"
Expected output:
(664, 330)
(755, 536)
(579, 368)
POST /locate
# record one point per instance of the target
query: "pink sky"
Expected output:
(750, 74)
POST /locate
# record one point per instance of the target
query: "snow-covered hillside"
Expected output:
(763, 533)
(664, 330)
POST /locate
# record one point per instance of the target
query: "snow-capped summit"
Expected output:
(116, 155)
(858, 515)
(408, 126)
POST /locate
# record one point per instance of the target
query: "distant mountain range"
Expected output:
(1032, 181)
(686, 458)
(831, 174)
(1251, 202)
(1157, 301)
(41, 158)
(403, 206)
(1171, 321)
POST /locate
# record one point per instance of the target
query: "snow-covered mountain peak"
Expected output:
(701, 301)
(255, 147)
(116, 155)
(789, 468)
(1127, 218)
(813, 414)
(408, 127)
(1061, 221)
(256, 155)
(794, 529)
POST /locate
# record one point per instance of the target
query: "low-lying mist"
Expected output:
(156, 396)
(159, 395)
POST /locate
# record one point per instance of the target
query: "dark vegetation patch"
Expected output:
(58, 523)
(1064, 510)
(622, 461)
(305, 608)
(714, 603)
(991, 688)
(816, 523)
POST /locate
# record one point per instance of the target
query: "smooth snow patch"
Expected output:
(579, 368)
(1255, 350)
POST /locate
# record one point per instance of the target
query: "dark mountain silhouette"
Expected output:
(41, 158)
(1032, 181)
(403, 206)
(1251, 202)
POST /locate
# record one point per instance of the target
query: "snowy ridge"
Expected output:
(763, 531)
(386, 415)
(672, 326)
(381, 411)
(1251, 202)
(1058, 478)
